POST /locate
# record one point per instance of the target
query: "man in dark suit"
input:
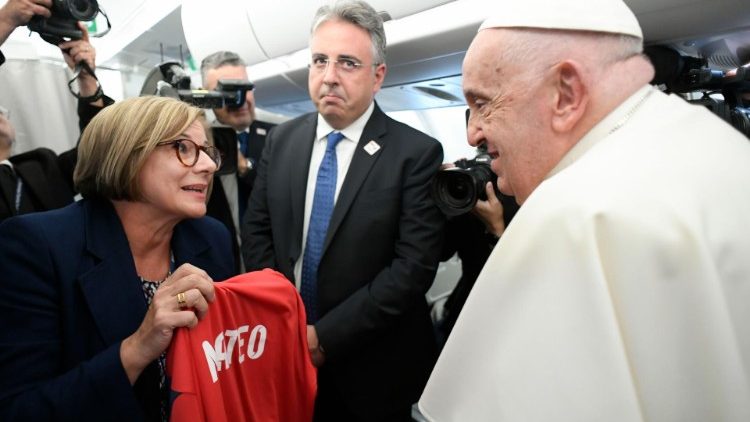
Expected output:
(341, 206)
(30, 181)
(231, 191)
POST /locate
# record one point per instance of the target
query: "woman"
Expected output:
(92, 292)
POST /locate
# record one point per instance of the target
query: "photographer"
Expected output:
(229, 198)
(39, 179)
(472, 235)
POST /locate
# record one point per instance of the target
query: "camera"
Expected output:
(725, 93)
(63, 23)
(229, 93)
(169, 79)
(457, 189)
(234, 91)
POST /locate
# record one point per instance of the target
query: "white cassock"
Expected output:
(621, 290)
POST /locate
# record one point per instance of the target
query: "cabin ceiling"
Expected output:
(424, 65)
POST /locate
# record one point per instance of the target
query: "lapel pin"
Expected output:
(372, 147)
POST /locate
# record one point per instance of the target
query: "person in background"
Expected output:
(341, 206)
(93, 292)
(30, 181)
(91, 99)
(621, 290)
(472, 236)
(229, 200)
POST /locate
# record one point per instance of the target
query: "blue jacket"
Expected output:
(70, 295)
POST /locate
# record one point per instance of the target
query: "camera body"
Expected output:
(169, 79)
(725, 93)
(229, 92)
(63, 23)
(457, 189)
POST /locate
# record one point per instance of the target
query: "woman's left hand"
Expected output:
(180, 301)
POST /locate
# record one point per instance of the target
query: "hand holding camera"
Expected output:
(491, 211)
(17, 13)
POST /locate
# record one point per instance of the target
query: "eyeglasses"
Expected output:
(345, 65)
(188, 151)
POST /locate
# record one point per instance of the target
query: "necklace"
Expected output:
(169, 272)
(143, 280)
(630, 112)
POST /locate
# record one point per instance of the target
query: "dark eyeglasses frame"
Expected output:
(320, 64)
(211, 152)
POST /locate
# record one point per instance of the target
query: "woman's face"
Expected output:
(173, 189)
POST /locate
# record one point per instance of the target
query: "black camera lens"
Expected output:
(81, 10)
(457, 189)
(454, 192)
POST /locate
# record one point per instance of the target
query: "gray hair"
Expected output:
(219, 59)
(359, 13)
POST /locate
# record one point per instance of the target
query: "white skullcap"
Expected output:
(611, 16)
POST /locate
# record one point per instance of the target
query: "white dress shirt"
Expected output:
(344, 153)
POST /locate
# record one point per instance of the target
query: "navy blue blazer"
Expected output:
(70, 295)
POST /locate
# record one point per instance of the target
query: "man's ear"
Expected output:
(380, 72)
(571, 96)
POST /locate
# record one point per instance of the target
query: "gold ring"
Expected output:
(181, 300)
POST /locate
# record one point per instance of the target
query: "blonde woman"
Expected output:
(92, 292)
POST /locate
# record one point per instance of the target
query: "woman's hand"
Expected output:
(164, 315)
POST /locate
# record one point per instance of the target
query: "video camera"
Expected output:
(170, 80)
(457, 189)
(63, 23)
(692, 75)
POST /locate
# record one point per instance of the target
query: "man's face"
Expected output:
(507, 114)
(238, 118)
(341, 95)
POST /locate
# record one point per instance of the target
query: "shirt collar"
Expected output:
(352, 132)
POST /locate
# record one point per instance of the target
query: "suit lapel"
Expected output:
(300, 148)
(111, 286)
(360, 167)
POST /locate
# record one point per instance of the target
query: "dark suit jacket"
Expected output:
(218, 203)
(70, 296)
(44, 187)
(379, 258)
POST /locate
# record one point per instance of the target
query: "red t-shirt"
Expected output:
(247, 359)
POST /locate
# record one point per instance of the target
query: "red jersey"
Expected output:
(247, 359)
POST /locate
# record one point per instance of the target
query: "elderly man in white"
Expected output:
(621, 290)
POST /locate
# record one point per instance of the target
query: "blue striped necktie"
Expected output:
(320, 216)
(243, 138)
